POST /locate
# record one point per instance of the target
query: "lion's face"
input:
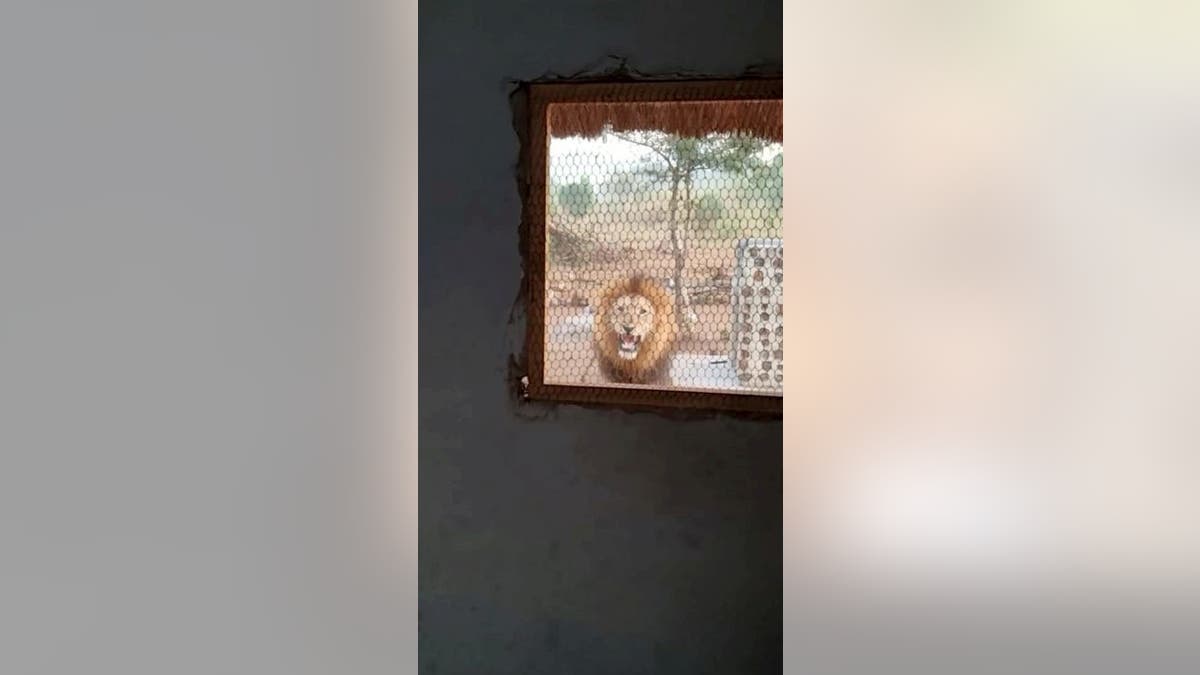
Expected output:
(631, 318)
(634, 330)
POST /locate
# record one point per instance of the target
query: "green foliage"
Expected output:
(734, 153)
(774, 183)
(709, 210)
(684, 155)
(763, 185)
(623, 184)
(577, 198)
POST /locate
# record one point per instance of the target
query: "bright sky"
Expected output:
(574, 158)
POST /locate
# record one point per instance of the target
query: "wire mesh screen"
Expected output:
(664, 258)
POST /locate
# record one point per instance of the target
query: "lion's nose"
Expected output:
(628, 329)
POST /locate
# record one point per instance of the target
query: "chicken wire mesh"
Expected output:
(664, 262)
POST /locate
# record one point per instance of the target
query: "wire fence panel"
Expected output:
(664, 261)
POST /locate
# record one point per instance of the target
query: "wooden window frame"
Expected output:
(534, 160)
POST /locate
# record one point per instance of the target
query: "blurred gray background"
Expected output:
(183, 231)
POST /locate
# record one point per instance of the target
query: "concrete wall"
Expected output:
(571, 540)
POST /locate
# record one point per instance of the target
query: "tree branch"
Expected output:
(645, 144)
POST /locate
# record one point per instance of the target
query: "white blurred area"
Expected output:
(994, 210)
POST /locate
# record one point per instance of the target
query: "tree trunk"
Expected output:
(689, 317)
(683, 307)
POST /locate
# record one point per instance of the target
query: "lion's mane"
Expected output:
(652, 364)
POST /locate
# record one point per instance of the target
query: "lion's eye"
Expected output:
(641, 311)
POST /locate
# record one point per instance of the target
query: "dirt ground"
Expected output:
(631, 235)
(569, 335)
(571, 297)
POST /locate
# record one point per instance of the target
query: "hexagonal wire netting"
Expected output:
(699, 222)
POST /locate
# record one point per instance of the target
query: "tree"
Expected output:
(577, 198)
(768, 179)
(622, 184)
(709, 210)
(676, 161)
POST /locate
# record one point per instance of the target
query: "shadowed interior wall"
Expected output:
(571, 540)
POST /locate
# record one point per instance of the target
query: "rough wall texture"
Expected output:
(568, 540)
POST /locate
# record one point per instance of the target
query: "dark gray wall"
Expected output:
(582, 541)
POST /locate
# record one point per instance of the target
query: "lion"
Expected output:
(635, 331)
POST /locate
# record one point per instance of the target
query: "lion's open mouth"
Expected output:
(628, 345)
